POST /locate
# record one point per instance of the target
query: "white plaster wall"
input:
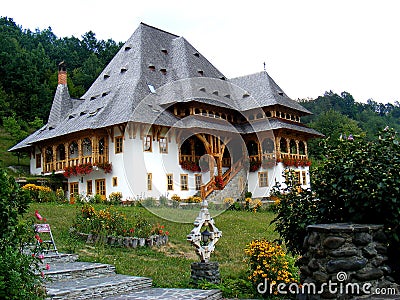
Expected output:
(32, 164)
(275, 174)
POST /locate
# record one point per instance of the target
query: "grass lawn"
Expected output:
(168, 266)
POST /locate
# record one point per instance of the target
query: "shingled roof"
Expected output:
(153, 60)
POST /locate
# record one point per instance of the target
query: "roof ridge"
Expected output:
(252, 74)
(153, 27)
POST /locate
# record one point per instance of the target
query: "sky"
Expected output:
(308, 46)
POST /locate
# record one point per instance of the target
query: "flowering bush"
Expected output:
(254, 166)
(82, 169)
(269, 262)
(175, 197)
(193, 199)
(107, 167)
(109, 221)
(190, 166)
(115, 197)
(291, 162)
(40, 193)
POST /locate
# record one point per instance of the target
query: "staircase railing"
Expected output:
(208, 188)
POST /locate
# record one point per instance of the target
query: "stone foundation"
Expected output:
(345, 254)
(208, 271)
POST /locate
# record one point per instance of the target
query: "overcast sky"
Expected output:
(309, 46)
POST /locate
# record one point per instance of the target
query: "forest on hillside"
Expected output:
(28, 80)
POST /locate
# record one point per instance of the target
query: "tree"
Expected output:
(358, 181)
(333, 125)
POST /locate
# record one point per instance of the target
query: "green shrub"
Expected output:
(232, 287)
(358, 181)
(269, 264)
(295, 209)
(19, 273)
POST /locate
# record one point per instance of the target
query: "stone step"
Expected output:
(61, 257)
(73, 270)
(170, 294)
(96, 288)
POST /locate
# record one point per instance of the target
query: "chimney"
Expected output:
(62, 73)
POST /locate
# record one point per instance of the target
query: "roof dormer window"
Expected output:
(152, 68)
(196, 54)
(228, 96)
(124, 69)
(163, 71)
(215, 93)
(165, 51)
(152, 89)
(201, 72)
(106, 75)
(128, 47)
(202, 89)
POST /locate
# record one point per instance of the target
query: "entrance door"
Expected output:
(101, 188)
(73, 191)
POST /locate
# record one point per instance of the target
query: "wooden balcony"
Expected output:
(60, 165)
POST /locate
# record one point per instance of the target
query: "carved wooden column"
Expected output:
(66, 147)
(278, 146)
(95, 149)
(54, 162)
(80, 151)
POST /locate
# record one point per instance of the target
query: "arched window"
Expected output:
(259, 116)
(293, 147)
(196, 111)
(73, 150)
(252, 148)
(251, 117)
(86, 147)
(302, 148)
(283, 145)
(268, 146)
(101, 146)
(268, 114)
(186, 148)
(49, 154)
(61, 152)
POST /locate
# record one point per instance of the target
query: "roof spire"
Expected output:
(264, 67)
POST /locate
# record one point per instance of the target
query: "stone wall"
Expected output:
(208, 271)
(350, 256)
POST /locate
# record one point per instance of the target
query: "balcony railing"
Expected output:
(59, 165)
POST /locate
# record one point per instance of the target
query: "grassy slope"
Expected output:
(168, 266)
(7, 158)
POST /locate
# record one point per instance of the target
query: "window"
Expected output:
(170, 182)
(118, 144)
(101, 188)
(89, 187)
(149, 181)
(303, 178)
(73, 191)
(297, 176)
(262, 179)
(38, 160)
(198, 181)
(184, 182)
(147, 143)
(115, 181)
(163, 145)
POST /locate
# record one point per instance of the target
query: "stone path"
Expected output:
(69, 279)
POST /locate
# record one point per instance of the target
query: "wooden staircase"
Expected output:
(229, 174)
